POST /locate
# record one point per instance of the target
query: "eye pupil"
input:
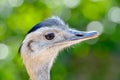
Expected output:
(50, 36)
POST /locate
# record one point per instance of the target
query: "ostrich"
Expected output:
(43, 42)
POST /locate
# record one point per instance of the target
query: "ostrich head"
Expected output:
(43, 42)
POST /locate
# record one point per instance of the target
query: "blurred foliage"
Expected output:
(97, 59)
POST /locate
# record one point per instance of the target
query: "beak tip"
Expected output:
(95, 33)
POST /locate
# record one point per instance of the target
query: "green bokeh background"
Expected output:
(90, 60)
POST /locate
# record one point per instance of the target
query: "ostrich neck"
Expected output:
(42, 72)
(40, 66)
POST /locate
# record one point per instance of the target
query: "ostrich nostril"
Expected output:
(79, 35)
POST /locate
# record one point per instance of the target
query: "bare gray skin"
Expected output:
(39, 51)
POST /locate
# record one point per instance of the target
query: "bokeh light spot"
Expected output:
(114, 14)
(71, 3)
(5, 9)
(3, 51)
(15, 3)
(95, 26)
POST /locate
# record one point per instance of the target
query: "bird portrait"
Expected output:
(43, 42)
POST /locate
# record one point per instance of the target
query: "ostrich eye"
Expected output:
(50, 36)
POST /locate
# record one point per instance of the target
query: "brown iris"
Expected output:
(50, 36)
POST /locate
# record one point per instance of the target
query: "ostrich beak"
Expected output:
(81, 35)
(75, 36)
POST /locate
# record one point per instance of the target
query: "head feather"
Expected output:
(53, 21)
